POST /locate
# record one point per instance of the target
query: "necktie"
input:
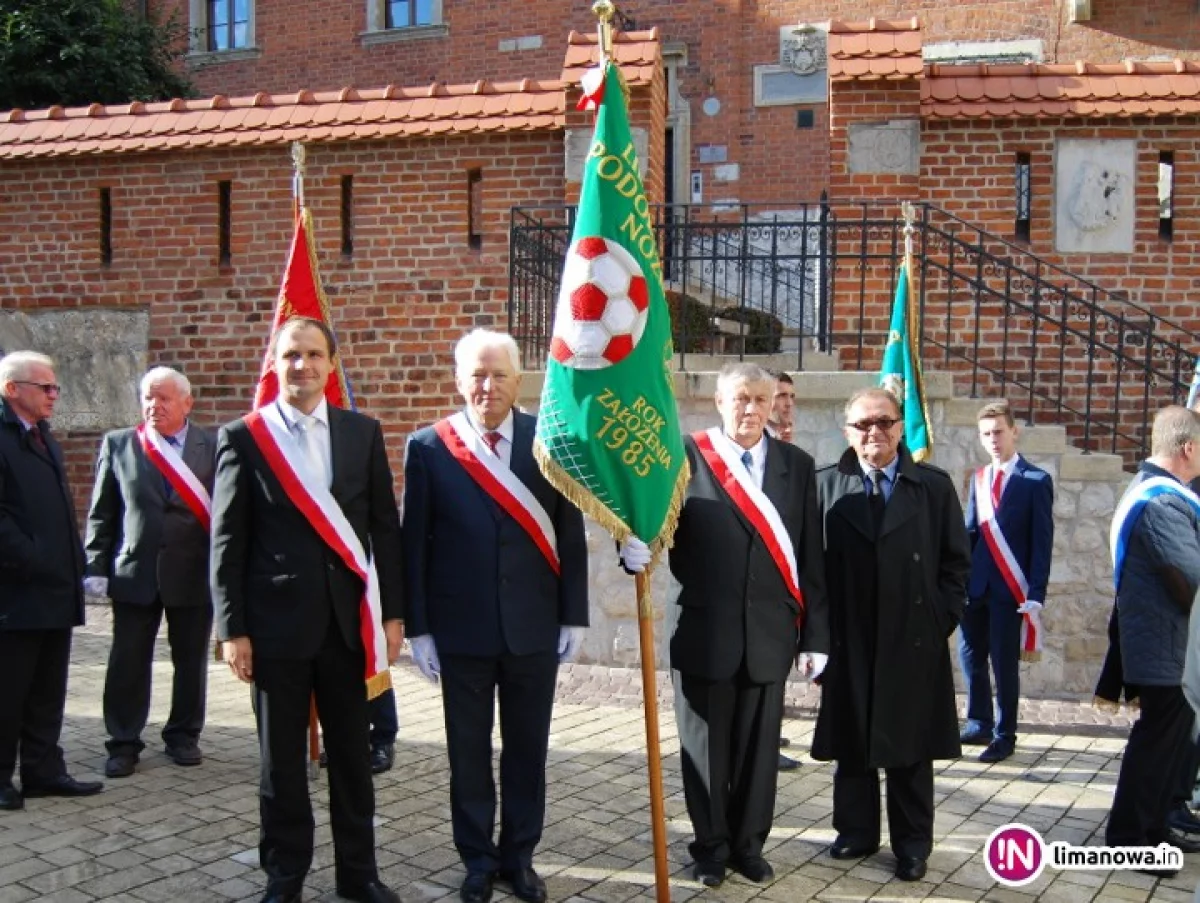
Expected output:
(168, 490)
(997, 487)
(876, 499)
(748, 460)
(492, 438)
(304, 429)
(39, 442)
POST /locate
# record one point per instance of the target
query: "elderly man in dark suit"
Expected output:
(147, 549)
(748, 555)
(496, 571)
(1010, 523)
(41, 585)
(896, 558)
(303, 508)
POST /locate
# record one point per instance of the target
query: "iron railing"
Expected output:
(746, 280)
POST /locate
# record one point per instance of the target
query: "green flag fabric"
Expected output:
(901, 370)
(608, 428)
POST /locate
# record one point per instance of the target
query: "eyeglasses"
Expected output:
(865, 426)
(48, 388)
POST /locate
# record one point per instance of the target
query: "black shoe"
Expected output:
(1159, 873)
(382, 757)
(120, 765)
(754, 868)
(787, 763)
(281, 896)
(371, 892)
(11, 799)
(65, 785)
(1183, 819)
(1187, 842)
(910, 868)
(997, 751)
(784, 742)
(710, 874)
(185, 754)
(975, 736)
(527, 885)
(477, 887)
(843, 849)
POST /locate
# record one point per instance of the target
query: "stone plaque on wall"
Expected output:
(891, 148)
(579, 141)
(1093, 195)
(99, 356)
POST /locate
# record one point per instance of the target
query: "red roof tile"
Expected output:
(345, 115)
(638, 53)
(875, 49)
(1076, 90)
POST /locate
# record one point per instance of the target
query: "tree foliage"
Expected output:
(78, 52)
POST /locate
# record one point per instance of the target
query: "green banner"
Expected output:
(901, 370)
(608, 428)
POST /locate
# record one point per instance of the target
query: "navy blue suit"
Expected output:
(991, 627)
(476, 582)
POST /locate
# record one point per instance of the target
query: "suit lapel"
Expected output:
(776, 477)
(339, 449)
(851, 497)
(521, 459)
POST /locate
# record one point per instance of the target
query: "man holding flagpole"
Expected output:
(147, 549)
(307, 593)
(1010, 522)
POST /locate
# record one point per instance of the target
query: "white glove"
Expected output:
(425, 657)
(569, 641)
(635, 554)
(811, 664)
(1029, 608)
(95, 586)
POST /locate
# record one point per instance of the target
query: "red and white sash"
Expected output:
(499, 482)
(287, 461)
(163, 456)
(1006, 563)
(735, 479)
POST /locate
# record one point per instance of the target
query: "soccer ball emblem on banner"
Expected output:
(602, 306)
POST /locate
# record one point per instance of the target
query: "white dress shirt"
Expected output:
(758, 458)
(505, 429)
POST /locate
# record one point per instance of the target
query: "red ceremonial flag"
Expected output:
(301, 295)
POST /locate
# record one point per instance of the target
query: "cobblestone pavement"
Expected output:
(174, 834)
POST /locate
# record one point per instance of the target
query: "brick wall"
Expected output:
(411, 289)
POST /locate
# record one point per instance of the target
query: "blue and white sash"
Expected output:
(1130, 509)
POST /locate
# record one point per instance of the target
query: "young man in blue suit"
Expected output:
(496, 575)
(1010, 521)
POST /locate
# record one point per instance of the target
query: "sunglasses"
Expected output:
(48, 388)
(865, 426)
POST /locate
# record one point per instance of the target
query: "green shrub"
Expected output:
(764, 331)
(698, 320)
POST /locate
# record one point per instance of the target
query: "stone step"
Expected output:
(813, 361)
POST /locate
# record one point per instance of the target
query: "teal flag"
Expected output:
(608, 427)
(901, 370)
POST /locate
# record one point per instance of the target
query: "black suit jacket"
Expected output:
(475, 580)
(735, 603)
(146, 542)
(41, 557)
(273, 578)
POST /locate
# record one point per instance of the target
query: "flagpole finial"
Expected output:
(909, 211)
(298, 159)
(604, 10)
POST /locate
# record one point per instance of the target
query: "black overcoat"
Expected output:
(888, 692)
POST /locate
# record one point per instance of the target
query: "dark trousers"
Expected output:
(130, 661)
(525, 686)
(1159, 743)
(384, 724)
(282, 689)
(729, 739)
(1185, 788)
(991, 629)
(909, 807)
(33, 693)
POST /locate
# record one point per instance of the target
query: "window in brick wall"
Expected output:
(1023, 197)
(475, 208)
(407, 13)
(347, 217)
(221, 26)
(106, 245)
(224, 223)
(1166, 195)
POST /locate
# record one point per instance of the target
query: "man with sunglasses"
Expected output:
(41, 585)
(896, 565)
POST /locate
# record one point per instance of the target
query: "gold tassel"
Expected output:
(379, 684)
